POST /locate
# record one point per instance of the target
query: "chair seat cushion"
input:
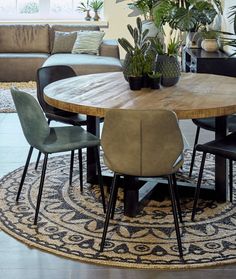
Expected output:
(67, 138)
(210, 124)
(67, 118)
(225, 147)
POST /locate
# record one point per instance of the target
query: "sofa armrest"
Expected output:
(109, 48)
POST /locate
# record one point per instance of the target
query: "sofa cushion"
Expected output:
(64, 42)
(24, 38)
(84, 64)
(88, 42)
(69, 28)
(20, 66)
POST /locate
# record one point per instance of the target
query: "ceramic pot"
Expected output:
(210, 45)
(96, 16)
(169, 67)
(88, 16)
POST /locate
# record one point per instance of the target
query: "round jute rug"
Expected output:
(70, 224)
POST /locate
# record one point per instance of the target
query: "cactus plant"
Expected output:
(135, 53)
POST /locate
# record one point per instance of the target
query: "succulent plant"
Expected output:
(135, 59)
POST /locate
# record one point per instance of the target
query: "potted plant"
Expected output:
(167, 61)
(84, 8)
(210, 40)
(135, 70)
(145, 7)
(96, 5)
(187, 16)
(134, 62)
(155, 80)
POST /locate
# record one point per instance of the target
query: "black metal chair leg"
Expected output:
(110, 205)
(173, 203)
(116, 193)
(24, 172)
(100, 180)
(39, 154)
(194, 151)
(37, 161)
(80, 169)
(177, 197)
(71, 166)
(197, 192)
(231, 180)
(40, 188)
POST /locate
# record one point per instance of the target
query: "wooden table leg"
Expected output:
(221, 171)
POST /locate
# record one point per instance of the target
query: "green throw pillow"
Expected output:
(64, 42)
(88, 42)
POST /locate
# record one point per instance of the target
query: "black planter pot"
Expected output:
(146, 81)
(135, 83)
(155, 83)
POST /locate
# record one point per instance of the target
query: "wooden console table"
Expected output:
(195, 96)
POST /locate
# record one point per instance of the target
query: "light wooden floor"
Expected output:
(18, 261)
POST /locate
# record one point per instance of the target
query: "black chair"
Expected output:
(226, 148)
(209, 124)
(45, 76)
(49, 140)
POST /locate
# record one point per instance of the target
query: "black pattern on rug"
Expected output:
(70, 223)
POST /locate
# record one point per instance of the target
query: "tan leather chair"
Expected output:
(143, 143)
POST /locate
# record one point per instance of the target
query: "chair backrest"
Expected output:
(32, 119)
(47, 75)
(141, 142)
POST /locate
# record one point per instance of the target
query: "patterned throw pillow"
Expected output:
(63, 42)
(88, 42)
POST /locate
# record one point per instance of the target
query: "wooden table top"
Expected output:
(195, 95)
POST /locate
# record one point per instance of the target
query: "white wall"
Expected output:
(226, 24)
(117, 16)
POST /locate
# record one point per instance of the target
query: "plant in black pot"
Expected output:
(135, 70)
(134, 63)
(167, 61)
(155, 80)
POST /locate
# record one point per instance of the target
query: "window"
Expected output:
(41, 9)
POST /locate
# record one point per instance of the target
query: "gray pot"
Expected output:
(167, 82)
(169, 67)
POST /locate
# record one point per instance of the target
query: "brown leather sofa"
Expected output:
(25, 48)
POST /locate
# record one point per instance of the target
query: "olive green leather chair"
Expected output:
(142, 143)
(49, 140)
(45, 76)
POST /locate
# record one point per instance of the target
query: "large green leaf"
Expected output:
(184, 20)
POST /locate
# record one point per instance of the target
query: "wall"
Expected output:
(226, 24)
(117, 16)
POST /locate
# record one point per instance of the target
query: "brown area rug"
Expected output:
(6, 102)
(70, 223)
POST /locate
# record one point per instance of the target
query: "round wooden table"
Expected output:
(195, 96)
